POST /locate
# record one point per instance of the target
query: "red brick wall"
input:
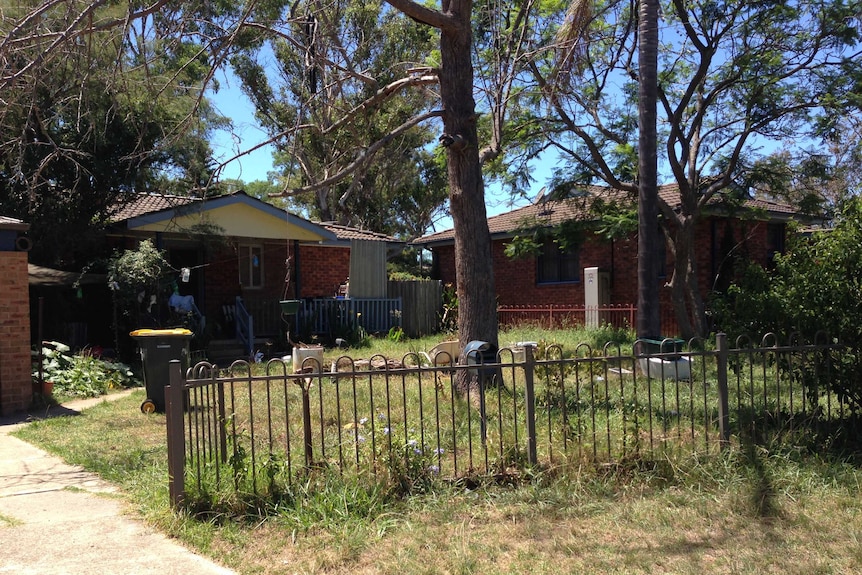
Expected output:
(516, 279)
(16, 387)
(222, 276)
(322, 270)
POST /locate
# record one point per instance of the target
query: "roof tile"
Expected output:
(553, 212)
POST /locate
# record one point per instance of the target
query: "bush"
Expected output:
(81, 375)
(815, 289)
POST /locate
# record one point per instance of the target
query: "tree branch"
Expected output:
(427, 16)
(363, 157)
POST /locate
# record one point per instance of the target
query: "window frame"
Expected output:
(561, 260)
(245, 257)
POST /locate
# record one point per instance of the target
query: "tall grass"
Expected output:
(750, 510)
(759, 507)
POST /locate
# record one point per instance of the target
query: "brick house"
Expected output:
(556, 277)
(16, 385)
(236, 245)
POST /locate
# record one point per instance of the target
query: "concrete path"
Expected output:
(59, 519)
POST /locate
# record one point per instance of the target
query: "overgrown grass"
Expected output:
(408, 429)
(753, 509)
(750, 511)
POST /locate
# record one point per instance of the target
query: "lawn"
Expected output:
(754, 509)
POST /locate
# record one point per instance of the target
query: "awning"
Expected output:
(41, 276)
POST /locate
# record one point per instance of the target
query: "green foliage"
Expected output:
(449, 319)
(523, 247)
(81, 375)
(814, 289)
(138, 269)
(111, 110)
(139, 279)
(395, 335)
(398, 189)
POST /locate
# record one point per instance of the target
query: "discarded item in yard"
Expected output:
(659, 368)
(314, 355)
(444, 353)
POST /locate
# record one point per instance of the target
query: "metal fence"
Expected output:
(250, 430)
(332, 316)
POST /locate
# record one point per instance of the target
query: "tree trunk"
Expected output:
(696, 307)
(477, 306)
(648, 316)
(688, 305)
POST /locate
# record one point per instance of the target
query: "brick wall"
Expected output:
(322, 270)
(516, 279)
(16, 387)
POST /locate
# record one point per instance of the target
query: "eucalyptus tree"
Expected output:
(444, 105)
(342, 107)
(348, 147)
(93, 107)
(735, 78)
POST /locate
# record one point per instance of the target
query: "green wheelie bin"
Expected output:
(158, 347)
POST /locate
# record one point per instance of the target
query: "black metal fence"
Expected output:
(249, 430)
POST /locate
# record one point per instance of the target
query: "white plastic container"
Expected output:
(660, 368)
(314, 363)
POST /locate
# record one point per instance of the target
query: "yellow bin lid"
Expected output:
(160, 332)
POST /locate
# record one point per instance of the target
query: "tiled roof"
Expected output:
(670, 194)
(345, 233)
(553, 212)
(142, 204)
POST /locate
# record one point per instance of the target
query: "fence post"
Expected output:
(723, 403)
(176, 437)
(306, 427)
(530, 403)
(222, 421)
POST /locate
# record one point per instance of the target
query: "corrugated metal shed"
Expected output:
(368, 269)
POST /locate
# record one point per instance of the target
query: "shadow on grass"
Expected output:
(38, 414)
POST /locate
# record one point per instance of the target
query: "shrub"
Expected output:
(814, 289)
(81, 375)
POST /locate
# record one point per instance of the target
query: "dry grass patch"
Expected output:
(749, 512)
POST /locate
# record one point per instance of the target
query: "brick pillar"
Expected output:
(16, 387)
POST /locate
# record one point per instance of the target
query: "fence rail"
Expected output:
(563, 316)
(328, 315)
(555, 316)
(232, 429)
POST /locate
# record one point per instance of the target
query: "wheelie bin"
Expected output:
(158, 347)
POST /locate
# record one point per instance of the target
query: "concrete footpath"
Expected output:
(59, 519)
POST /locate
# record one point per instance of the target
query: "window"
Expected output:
(251, 266)
(556, 265)
(775, 236)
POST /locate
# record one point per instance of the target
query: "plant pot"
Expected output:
(289, 306)
(47, 388)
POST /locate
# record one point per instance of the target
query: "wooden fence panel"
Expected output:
(422, 302)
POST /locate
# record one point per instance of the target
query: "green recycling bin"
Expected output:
(158, 348)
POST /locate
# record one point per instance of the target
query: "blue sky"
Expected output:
(231, 102)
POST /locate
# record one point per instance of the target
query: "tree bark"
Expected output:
(477, 305)
(648, 316)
